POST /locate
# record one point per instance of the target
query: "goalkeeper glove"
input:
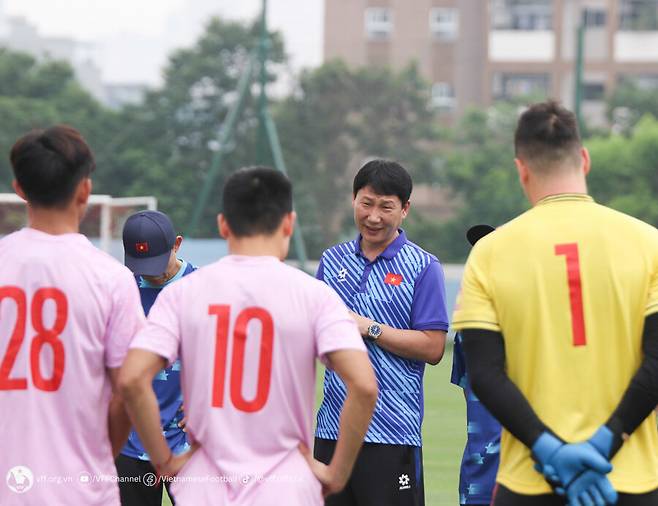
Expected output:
(591, 489)
(561, 463)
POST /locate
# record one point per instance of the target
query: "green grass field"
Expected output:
(444, 433)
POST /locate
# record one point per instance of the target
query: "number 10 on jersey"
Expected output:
(264, 373)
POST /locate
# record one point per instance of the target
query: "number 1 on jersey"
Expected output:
(570, 251)
(237, 362)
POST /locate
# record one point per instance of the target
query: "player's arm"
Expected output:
(577, 469)
(484, 351)
(135, 385)
(126, 319)
(458, 372)
(424, 345)
(355, 369)
(117, 420)
(640, 397)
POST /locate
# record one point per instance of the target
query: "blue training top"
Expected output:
(166, 383)
(477, 477)
(403, 288)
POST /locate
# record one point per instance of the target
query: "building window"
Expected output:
(522, 14)
(508, 86)
(379, 22)
(638, 15)
(594, 18)
(593, 91)
(444, 23)
(443, 96)
(646, 82)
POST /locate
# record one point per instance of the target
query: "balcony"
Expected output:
(521, 46)
(636, 46)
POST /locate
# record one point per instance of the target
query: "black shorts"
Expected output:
(139, 493)
(384, 475)
(505, 497)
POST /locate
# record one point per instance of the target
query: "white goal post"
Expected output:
(103, 222)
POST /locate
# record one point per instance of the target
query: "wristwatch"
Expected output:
(374, 331)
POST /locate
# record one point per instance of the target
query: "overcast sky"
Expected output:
(133, 37)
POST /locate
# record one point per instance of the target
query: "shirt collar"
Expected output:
(564, 197)
(390, 251)
(145, 284)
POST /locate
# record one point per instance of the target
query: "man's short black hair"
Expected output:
(256, 199)
(385, 177)
(48, 165)
(547, 135)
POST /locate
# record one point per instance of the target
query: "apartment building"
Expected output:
(18, 34)
(478, 51)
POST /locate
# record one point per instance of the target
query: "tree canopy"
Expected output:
(331, 121)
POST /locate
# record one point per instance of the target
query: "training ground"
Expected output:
(444, 432)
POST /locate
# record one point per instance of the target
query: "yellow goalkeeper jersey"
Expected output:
(568, 284)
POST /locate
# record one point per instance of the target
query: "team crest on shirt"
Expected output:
(342, 275)
(393, 279)
(142, 247)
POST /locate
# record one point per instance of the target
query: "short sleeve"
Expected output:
(161, 335)
(475, 308)
(334, 327)
(428, 307)
(126, 318)
(458, 375)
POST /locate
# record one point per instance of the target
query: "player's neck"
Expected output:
(54, 221)
(257, 246)
(549, 187)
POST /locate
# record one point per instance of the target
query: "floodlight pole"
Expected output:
(267, 130)
(578, 77)
(267, 135)
(226, 132)
(263, 50)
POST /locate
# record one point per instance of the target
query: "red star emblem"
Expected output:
(142, 247)
(393, 279)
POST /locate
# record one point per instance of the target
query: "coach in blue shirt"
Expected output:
(396, 293)
(150, 246)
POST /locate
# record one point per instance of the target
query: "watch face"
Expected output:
(374, 331)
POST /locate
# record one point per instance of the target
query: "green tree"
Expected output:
(165, 145)
(625, 170)
(478, 165)
(337, 118)
(629, 103)
(37, 94)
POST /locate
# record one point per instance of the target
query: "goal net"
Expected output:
(103, 223)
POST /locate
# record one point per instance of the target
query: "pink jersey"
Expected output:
(248, 331)
(68, 312)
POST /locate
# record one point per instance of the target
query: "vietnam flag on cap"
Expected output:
(393, 279)
(142, 247)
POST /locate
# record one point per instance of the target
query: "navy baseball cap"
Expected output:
(148, 238)
(477, 232)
